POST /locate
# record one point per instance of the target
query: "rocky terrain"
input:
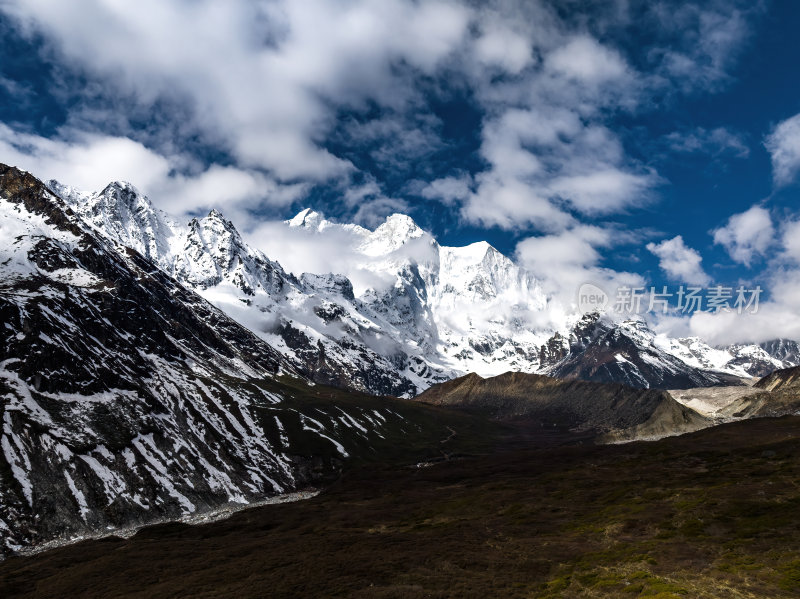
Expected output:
(777, 394)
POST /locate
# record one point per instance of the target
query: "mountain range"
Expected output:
(432, 312)
(152, 371)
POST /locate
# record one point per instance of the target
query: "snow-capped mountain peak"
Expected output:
(306, 218)
(123, 214)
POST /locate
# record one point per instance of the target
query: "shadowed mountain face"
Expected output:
(627, 353)
(612, 411)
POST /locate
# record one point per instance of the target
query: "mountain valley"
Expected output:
(153, 373)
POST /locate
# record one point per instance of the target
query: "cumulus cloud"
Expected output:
(777, 314)
(90, 161)
(503, 48)
(783, 145)
(546, 161)
(260, 76)
(747, 235)
(566, 260)
(267, 84)
(679, 261)
(86, 161)
(585, 59)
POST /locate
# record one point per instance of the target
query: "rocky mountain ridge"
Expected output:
(126, 398)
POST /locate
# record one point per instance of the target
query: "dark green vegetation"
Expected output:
(709, 514)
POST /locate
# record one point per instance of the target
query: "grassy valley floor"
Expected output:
(710, 514)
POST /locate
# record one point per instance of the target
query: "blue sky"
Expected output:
(617, 142)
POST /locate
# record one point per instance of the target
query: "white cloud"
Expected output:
(503, 48)
(258, 75)
(746, 235)
(546, 161)
(777, 315)
(783, 145)
(336, 249)
(605, 190)
(301, 250)
(448, 190)
(679, 261)
(89, 162)
(564, 261)
(512, 204)
(585, 59)
(267, 83)
(714, 142)
(790, 238)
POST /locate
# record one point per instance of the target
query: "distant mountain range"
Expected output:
(437, 312)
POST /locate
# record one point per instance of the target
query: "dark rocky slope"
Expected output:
(611, 411)
(604, 352)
